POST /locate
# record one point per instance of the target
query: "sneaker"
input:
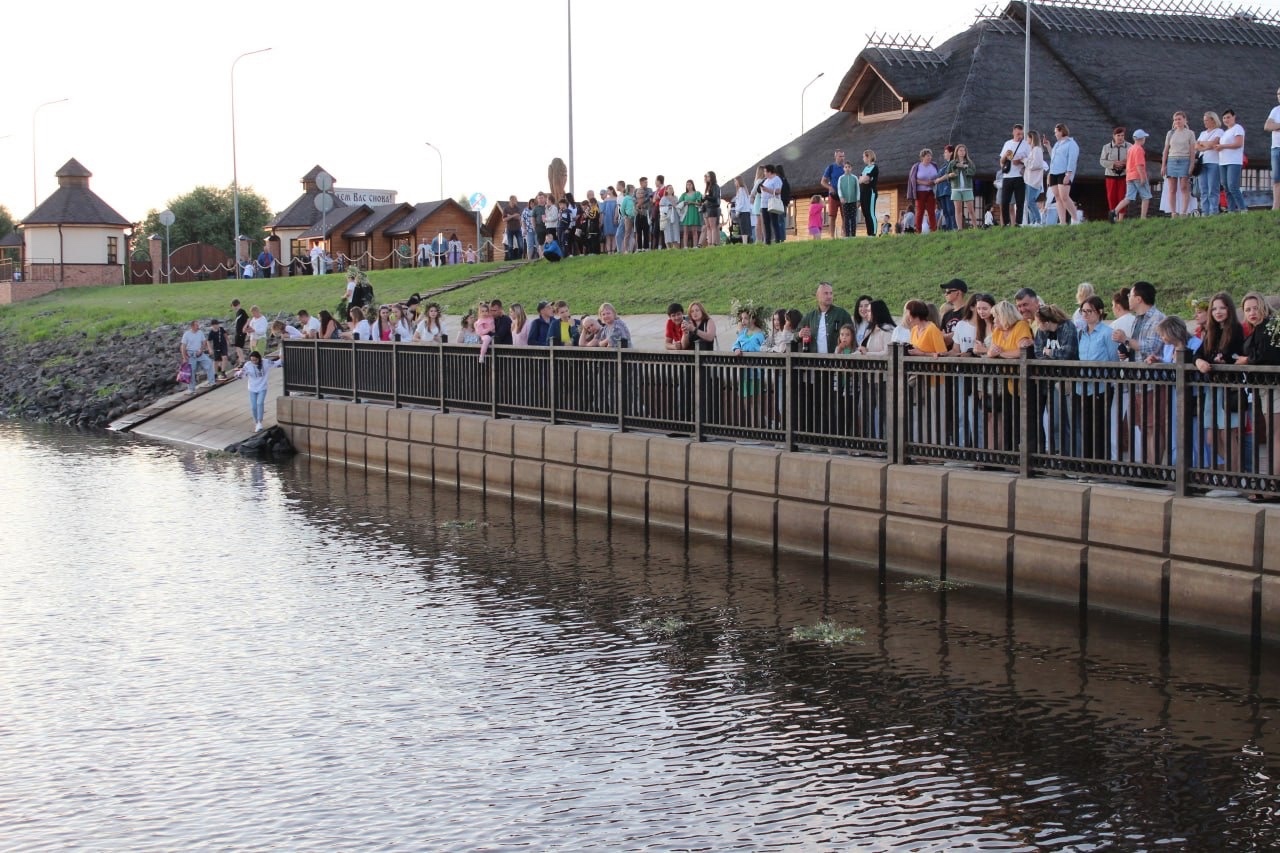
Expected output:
(257, 427)
(210, 384)
(1111, 216)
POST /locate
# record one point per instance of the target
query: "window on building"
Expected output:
(1255, 180)
(880, 102)
(113, 250)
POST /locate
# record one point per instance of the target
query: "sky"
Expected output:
(663, 86)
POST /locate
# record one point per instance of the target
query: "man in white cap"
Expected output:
(1135, 175)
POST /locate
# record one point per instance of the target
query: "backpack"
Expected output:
(363, 294)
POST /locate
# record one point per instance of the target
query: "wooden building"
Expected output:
(1093, 67)
(288, 230)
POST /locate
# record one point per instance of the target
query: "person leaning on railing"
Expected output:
(1222, 407)
(1262, 347)
(1092, 400)
(1055, 339)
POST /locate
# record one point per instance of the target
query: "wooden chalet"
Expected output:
(1093, 66)
(427, 219)
(287, 229)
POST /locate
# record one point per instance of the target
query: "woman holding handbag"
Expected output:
(774, 208)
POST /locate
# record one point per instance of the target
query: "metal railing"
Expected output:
(1162, 424)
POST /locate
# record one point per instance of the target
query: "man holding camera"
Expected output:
(1012, 156)
(1113, 158)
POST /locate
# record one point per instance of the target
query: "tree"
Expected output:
(205, 215)
(6, 221)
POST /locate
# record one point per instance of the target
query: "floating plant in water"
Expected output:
(827, 633)
(932, 585)
(469, 524)
(665, 626)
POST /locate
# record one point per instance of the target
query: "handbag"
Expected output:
(776, 205)
(184, 373)
(1197, 166)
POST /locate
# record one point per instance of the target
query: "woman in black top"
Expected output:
(1262, 346)
(1223, 348)
(699, 329)
(710, 210)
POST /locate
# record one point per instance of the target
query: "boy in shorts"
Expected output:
(1135, 174)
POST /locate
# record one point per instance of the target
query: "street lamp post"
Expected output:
(35, 198)
(235, 176)
(569, 25)
(802, 91)
(441, 156)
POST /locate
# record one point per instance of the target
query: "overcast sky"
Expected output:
(663, 86)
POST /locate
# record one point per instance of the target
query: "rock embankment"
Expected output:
(74, 380)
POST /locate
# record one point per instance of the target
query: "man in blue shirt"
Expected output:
(830, 179)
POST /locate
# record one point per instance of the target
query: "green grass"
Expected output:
(1182, 258)
(129, 311)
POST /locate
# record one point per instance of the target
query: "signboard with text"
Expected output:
(351, 195)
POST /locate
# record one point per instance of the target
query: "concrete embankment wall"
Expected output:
(1198, 561)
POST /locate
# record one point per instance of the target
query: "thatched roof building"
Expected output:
(1093, 66)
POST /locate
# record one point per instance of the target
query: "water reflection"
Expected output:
(349, 660)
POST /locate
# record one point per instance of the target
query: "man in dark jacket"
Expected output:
(501, 323)
(540, 326)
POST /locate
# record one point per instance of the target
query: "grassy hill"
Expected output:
(1182, 258)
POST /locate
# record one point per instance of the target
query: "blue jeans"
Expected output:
(1210, 182)
(779, 223)
(257, 404)
(947, 208)
(1033, 210)
(1231, 180)
(201, 361)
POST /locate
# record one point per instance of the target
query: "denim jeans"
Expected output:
(201, 361)
(1231, 180)
(779, 223)
(1033, 209)
(947, 208)
(1210, 182)
(257, 404)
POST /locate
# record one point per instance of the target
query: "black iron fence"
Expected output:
(1163, 424)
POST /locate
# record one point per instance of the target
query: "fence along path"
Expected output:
(1162, 425)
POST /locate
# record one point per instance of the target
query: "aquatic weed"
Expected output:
(932, 585)
(666, 626)
(828, 633)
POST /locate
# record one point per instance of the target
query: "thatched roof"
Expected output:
(1091, 69)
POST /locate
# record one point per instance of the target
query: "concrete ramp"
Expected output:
(211, 419)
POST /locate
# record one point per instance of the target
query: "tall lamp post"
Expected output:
(802, 91)
(235, 176)
(1026, 89)
(569, 24)
(35, 198)
(441, 156)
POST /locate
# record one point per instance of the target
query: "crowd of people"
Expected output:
(1099, 419)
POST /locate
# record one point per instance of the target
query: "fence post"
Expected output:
(788, 401)
(617, 388)
(440, 374)
(315, 364)
(395, 376)
(697, 395)
(1024, 416)
(1182, 435)
(355, 382)
(493, 383)
(551, 384)
(895, 428)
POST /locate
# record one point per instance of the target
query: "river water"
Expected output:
(199, 652)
